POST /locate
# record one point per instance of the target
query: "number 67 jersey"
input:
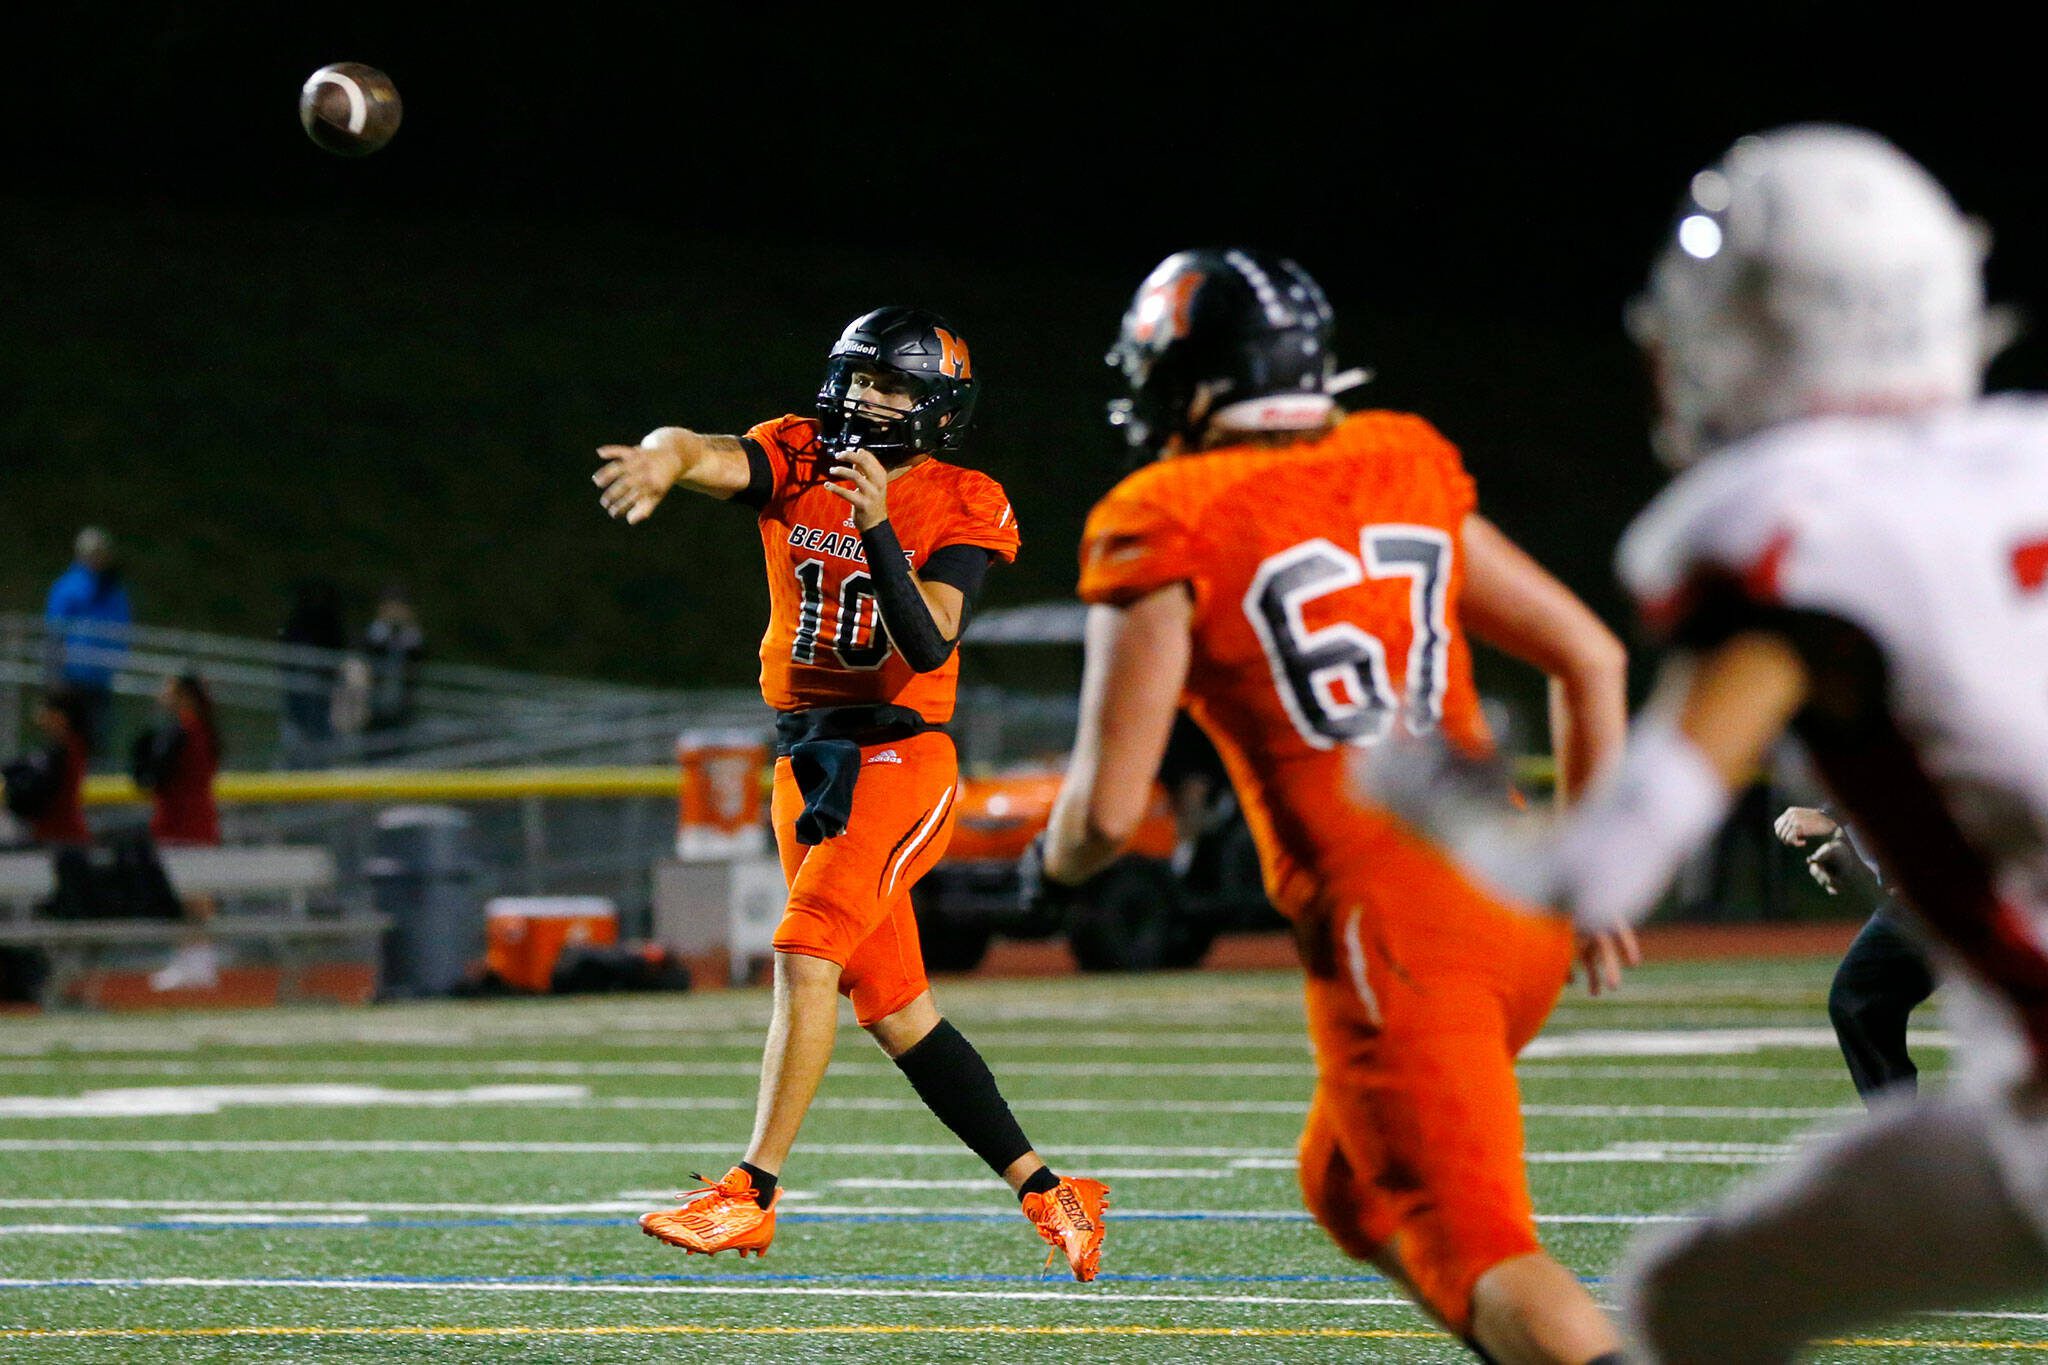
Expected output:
(1326, 576)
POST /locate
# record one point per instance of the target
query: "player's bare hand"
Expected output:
(634, 479)
(866, 486)
(1604, 955)
(1800, 823)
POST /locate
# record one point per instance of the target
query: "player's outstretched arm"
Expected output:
(1708, 727)
(1512, 603)
(634, 479)
(1137, 663)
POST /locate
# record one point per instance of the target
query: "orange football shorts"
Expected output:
(849, 897)
(1421, 990)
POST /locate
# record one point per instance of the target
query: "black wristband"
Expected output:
(904, 611)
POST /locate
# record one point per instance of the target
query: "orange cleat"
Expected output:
(723, 1216)
(1069, 1217)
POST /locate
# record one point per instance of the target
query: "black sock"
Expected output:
(1040, 1181)
(956, 1085)
(764, 1183)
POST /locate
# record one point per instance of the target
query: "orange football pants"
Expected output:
(1421, 990)
(849, 897)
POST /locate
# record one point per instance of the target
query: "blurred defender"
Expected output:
(1309, 580)
(876, 549)
(1859, 552)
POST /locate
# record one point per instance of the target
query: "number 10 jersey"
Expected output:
(825, 644)
(1326, 578)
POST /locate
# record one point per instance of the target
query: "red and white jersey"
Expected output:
(1929, 535)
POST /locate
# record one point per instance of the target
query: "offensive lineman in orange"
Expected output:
(876, 549)
(1305, 581)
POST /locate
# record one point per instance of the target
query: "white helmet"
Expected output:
(1817, 269)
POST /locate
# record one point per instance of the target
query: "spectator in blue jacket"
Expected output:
(88, 615)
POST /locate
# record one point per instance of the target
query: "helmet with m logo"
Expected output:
(895, 354)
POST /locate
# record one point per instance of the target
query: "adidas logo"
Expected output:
(886, 756)
(848, 521)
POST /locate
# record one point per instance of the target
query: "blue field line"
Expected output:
(845, 1277)
(416, 1224)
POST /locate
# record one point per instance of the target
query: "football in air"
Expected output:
(350, 109)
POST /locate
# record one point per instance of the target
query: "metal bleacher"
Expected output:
(534, 830)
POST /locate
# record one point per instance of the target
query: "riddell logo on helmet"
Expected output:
(867, 348)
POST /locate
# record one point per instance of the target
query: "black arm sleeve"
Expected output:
(904, 610)
(958, 566)
(760, 476)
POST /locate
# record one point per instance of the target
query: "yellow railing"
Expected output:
(405, 784)
(478, 784)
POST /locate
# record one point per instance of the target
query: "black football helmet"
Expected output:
(932, 360)
(1214, 328)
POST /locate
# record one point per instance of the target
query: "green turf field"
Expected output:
(459, 1181)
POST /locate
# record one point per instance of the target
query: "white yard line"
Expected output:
(430, 1145)
(1239, 1158)
(316, 1067)
(193, 1100)
(189, 1100)
(1105, 1298)
(910, 1104)
(1653, 1071)
(981, 1183)
(1210, 1032)
(2002, 1314)
(1686, 1111)
(1612, 1158)
(1696, 1042)
(273, 1211)
(236, 1208)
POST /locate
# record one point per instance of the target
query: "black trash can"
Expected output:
(424, 874)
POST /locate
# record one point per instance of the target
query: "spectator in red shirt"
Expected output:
(176, 764)
(47, 788)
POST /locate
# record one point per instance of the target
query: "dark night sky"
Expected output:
(1519, 158)
(1480, 188)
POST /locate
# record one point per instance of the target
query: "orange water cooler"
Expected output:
(525, 935)
(721, 809)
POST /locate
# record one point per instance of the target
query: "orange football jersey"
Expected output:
(826, 645)
(1326, 577)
